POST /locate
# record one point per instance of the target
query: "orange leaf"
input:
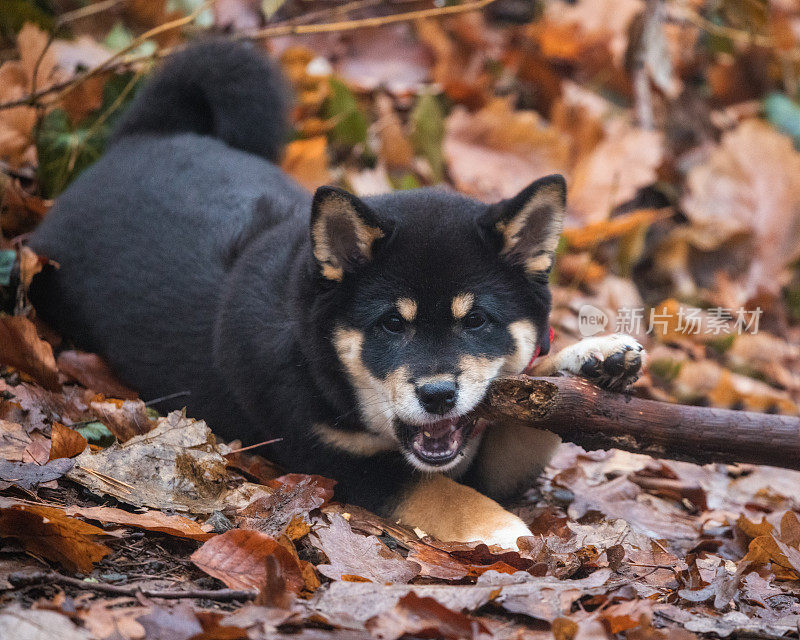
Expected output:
(307, 162)
(174, 525)
(65, 442)
(22, 348)
(48, 532)
(239, 559)
(93, 373)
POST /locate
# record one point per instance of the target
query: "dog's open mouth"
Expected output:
(439, 442)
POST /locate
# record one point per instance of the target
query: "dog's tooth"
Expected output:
(426, 434)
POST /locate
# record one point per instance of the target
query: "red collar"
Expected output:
(528, 371)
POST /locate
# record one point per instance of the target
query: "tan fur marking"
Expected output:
(359, 444)
(451, 511)
(476, 374)
(511, 229)
(524, 334)
(366, 235)
(462, 304)
(407, 308)
(540, 263)
(546, 196)
(379, 399)
(332, 273)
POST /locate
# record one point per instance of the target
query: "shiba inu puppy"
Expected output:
(362, 332)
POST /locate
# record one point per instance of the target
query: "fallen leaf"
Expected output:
(496, 152)
(22, 348)
(625, 161)
(285, 510)
(239, 559)
(28, 474)
(47, 532)
(13, 441)
(307, 162)
(423, 617)
(546, 598)
(177, 466)
(124, 419)
(751, 184)
(177, 623)
(65, 442)
(92, 372)
(37, 624)
(150, 520)
(355, 556)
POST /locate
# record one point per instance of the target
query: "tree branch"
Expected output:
(50, 577)
(582, 413)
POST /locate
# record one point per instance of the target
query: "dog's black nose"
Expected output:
(437, 397)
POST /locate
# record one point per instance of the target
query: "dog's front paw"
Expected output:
(506, 534)
(612, 362)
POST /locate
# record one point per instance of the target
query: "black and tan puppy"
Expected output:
(360, 331)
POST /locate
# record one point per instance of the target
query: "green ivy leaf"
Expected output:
(7, 258)
(427, 132)
(342, 107)
(96, 433)
(784, 114)
(65, 150)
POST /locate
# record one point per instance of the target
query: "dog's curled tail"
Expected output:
(223, 89)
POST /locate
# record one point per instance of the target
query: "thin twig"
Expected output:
(170, 396)
(254, 446)
(361, 23)
(112, 63)
(118, 60)
(45, 577)
(88, 10)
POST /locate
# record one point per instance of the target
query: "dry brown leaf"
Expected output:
(591, 235)
(94, 373)
(151, 520)
(355, 556)
(47, 532)
(25, 623)
(23, 349)
(285, 510)
(239, 559)
(125, 419)
(424, 617)
(16, 81)
(307, 162)
(178, 465)
(13, 441)
(622, 163)
(496, 152)
(28, 475)
(604, 20)
(751, 184)
(65, 442)
(396, 149)
(20, 211)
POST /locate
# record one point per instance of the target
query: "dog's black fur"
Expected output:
(186, 261)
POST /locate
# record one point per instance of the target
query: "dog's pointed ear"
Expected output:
(343, 232)
(529, 225)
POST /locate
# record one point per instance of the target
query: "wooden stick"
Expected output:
(50, 577)
(582, 413)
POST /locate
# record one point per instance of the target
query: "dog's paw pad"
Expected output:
(612, 362)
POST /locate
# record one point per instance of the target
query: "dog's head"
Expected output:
(433, 296)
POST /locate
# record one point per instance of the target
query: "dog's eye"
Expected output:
(393, 323)
(474, 320)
